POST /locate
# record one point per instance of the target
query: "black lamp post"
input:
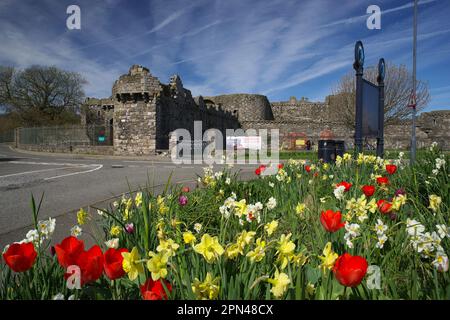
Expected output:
(380, 80)
(358, 65)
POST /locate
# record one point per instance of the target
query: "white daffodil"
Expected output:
(442, 230)
(414, 227)
(441, 262)
(76, 231)
(272, 203)
(112, 243)
(339, 192)
(197, 227)
(380, 227)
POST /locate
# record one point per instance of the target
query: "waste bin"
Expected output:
(327, 150)
(340, 147)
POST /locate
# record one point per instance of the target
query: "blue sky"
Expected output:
(280, 48)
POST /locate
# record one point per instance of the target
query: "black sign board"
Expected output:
(369, 104)
(371, 94)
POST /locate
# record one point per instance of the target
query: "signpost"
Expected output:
(369, 113)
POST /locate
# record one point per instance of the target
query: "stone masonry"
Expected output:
(142, 112)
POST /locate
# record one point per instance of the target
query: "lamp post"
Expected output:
(358, 65)
(413, 100)
(380, 80)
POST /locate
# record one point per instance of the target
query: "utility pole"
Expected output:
(413, 97)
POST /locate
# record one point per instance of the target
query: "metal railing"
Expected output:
(66, 136)
(7, 136)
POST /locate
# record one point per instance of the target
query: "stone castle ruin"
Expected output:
(142, 112)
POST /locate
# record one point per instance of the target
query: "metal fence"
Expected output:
(7, 136)
(67, 136)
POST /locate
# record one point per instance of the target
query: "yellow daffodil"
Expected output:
(435, 202)
(257, 254)
(189, 238)
(209, 247)
(329, 257)
(232, 251)
(115, 231)
(241, 207)
(208, 289)
(271, 227)
(127, 212)
(285, 250)
(81, 216)
(162, 208)
(372, 206)
(169, 246)
(347, 157)
(131, 264)
(157, 264)
(398, 201)
(245, 238)
(279, 283)
(299, 259)
(300, 208)
(138, 199)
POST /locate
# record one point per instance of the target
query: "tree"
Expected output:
(398, 87)
(41, 95)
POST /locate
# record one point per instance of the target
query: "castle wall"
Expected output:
(247, 107)
(302, 111)
(178, 109)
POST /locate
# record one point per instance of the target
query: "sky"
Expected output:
(279, 48)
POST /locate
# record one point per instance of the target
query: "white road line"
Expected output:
(74, 159)
(29, 172)
(72, 174)
(51, 163)
(147, 161)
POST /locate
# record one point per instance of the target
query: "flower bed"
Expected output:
(364, 228)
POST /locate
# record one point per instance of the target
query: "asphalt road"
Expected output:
(70, 182)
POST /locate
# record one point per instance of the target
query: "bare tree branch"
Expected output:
(398, 88)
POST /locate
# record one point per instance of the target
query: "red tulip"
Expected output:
(308, 168)
(113, 263)
(185, 189)
(68, 251)
(260, 169)
(91, 264)
(20, 256)
(368, 190)
(382, 180)
(391, 168)
(350, 270)
(384, 206)
(154, 290)
(280, 166)
(331, 220)
(345, 184)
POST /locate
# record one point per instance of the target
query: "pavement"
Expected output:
(69, 182)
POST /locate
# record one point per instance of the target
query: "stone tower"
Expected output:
(136, 95)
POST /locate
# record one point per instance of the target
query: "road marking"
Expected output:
(51, 163)
(74, 159)
(147, 161)
(28, 172)
(99, 166)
